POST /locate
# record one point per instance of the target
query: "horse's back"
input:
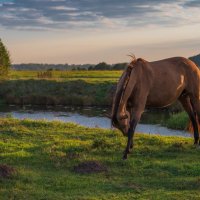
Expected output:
(171, 77)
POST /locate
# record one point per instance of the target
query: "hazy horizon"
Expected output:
(85, 32)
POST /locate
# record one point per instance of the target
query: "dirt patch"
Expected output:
(7, 171)
(89, 167)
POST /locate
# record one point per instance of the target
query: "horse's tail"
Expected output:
(121, 88)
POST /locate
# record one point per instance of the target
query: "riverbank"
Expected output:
(56, 92)
(54, 160)
(72, 88)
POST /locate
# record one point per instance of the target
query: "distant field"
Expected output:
(62, 75)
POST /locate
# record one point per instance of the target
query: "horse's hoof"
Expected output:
(124, 157)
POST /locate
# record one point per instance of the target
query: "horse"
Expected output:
(155, 84)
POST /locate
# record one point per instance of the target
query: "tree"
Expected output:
(119, 66)
(5, 62)
(102, 66)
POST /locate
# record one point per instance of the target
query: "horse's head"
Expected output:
(121, 119)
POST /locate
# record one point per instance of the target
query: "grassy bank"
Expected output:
(50, 161)
(82, 88)
(55, 92)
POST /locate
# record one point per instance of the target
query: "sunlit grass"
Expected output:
(70, 75)
(45, 153)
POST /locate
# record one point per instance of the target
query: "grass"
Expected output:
(45, 153)
(66, 75)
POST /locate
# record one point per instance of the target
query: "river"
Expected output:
(90, 117)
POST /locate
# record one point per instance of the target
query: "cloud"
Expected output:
(194, 3)
(69, 14)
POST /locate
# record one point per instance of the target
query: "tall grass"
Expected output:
(177, 121)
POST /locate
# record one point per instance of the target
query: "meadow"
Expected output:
(54, 160)
(100, 75)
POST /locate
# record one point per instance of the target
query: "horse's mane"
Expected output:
(120, 91)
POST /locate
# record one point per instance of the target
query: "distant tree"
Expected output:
(91, 68)
(5, 62)
(119, 66)
(102, 66)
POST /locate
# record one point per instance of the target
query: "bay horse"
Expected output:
(155, 84)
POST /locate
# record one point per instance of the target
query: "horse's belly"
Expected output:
(164, 96)
(159, 102)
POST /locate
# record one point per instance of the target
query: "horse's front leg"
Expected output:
(131, 146)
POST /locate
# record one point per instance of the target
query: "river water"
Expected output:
(90, 117)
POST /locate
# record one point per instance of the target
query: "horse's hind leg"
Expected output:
(186, 103)
(195, 102)
(133, 123)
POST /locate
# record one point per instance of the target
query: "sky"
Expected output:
(92, 31)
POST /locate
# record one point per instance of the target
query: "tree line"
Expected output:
(61, 67)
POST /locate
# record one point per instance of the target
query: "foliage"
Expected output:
(44, 155)
(119, 66)
(4, 60)
(66, 67)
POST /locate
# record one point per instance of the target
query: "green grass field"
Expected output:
(90, 76)
(44, 155)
